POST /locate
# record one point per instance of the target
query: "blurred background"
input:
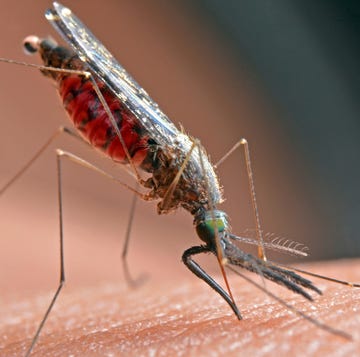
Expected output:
(283, 74)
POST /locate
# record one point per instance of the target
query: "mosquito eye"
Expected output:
(210, 227)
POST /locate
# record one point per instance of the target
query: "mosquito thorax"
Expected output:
(210, 223)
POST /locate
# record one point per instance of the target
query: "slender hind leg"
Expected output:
(243, 142)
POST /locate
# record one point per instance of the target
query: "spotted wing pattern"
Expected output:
(105, 66)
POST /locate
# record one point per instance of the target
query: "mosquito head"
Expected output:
(209, 224)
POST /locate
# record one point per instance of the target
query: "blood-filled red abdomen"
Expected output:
(90, 118)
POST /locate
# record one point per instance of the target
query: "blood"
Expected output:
(90, 118)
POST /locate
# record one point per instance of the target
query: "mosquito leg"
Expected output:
(129, 279)
(243, 142)
(164, 204)
(134, 283)
(60, 130)
(88, 165)
(62, 266)
(59, 155)
(200, 273)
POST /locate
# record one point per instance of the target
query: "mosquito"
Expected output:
(113, 114)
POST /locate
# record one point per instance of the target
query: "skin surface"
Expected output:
(185, 318)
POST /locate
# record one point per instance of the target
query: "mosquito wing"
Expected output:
(105, 66)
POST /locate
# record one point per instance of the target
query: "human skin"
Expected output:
(184, 317)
